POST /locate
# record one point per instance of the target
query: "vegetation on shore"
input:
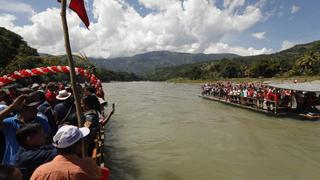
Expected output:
(274, 79)
(301, 60)
(15, 54)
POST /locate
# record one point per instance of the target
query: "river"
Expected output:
(164, 131)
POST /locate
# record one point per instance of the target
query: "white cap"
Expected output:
(68, 135)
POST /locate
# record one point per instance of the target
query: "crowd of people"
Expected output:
(39, 133)
(262, 96)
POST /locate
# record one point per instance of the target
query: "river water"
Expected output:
(164, 131)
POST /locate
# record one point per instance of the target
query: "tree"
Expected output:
(307, 61)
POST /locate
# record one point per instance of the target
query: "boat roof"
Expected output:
(306, 86)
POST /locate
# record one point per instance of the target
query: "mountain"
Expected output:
(15, 54)
(148, 62)
(12, 46)
(302, 59)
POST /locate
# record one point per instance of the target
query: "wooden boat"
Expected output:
(251, 103)
(98, 152)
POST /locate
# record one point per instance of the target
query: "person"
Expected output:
(35, 86)
(88, 90)
(65, 109)
(51, 93)
(68, 164)
(32, 152)
(8, 172)
(91, 107)
(27, 113)
(47, 110)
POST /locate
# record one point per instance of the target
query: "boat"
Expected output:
(98, 151)
(276, 108)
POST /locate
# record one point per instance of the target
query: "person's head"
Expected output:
(89, 90)
(39, 95)
(28, 111)
(10, 172)
(31, 135)
(68, 139)
(12, 90)
(52, 87)
(90, 102)
(63, 95)
(6, 99)
(35, 86)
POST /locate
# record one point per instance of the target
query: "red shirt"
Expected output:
(270, 96)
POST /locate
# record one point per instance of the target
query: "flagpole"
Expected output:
(70, 60)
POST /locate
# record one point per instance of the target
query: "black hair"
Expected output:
(26, 131)
(42, 96)
(6, 98)
(38, 95)
(90, 89)
(92, 101)
(6, 172)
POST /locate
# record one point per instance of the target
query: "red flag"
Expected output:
(78, 7)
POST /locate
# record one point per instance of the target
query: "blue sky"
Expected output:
(128, 27)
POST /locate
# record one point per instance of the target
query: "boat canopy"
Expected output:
(306, 86)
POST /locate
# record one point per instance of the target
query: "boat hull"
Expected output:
(263, 111)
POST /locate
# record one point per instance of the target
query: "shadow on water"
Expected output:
(121, 167)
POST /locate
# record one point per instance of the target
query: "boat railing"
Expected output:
(258, 103)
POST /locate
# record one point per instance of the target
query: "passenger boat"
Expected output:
(98, 152)
(277, 109)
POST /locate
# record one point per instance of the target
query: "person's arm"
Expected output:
(105, 121)
(16, 103)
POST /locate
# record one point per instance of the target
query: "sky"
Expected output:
(127, 27)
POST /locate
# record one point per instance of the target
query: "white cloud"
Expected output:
(119, 30)
(12, 6)
(294, 9)
(287, 44)
(259, 35)
(6, 20)
(226, 48)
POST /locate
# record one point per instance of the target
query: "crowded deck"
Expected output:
(290, 99)
(39, 130)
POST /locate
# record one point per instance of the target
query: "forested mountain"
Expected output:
(301, 59)
(15, 54)
(13, 46)
(151, 61)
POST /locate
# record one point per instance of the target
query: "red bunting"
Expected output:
(78, 7)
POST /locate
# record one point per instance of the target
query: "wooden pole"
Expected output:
(70, 60)
(71, 66)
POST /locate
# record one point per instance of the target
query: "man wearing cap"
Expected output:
(68, 164)
(27, 112)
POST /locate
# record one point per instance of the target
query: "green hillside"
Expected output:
(301, 59)
(15, 54)
(149, 62)
(13, 46)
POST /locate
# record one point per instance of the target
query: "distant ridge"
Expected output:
(286, 63)
(150, 61)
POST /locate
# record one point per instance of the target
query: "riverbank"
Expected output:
(274, 79)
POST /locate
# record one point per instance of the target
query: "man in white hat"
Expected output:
(68, 164)
(65, 108)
